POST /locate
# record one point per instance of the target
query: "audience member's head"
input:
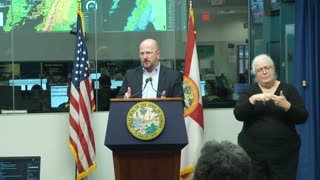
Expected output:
(118, 77)
(210, 88)
(36, 90)
(105, 81)
(222, 161)
(36, 87)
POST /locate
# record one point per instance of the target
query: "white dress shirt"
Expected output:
(151, 88)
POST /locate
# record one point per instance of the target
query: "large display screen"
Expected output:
(27, 84)
(43, 30)
(100, 15)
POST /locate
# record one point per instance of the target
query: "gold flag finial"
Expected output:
(79, 4)
(79, 11)
(191, 11)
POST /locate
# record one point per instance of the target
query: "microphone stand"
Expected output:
(145, 85)
(153, 87)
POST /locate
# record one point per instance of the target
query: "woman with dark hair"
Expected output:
(222, 161)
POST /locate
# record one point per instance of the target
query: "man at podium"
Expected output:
(152, 79)
(146, 135)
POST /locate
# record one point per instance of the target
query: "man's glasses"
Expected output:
(147, 53)
(266, 68)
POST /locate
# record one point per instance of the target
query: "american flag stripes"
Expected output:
(81, 137)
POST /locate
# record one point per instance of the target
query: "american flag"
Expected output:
(81, 137)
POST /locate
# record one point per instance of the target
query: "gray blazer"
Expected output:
(169, 80)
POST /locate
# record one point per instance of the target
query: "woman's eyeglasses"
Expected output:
(266, 68)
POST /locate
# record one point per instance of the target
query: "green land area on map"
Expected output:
(60, 15)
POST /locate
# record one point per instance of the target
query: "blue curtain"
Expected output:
(307, 67)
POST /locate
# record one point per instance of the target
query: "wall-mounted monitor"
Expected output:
(108, 16)
(20, 168)
(257, 11)
(42, 30)
(275, 5)
(272, 7)
(27, 84)
(114, 84)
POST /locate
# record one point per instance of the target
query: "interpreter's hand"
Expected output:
(263, 97)
(281, 101)
(163, 94)
(128, 93)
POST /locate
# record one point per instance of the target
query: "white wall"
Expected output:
(46, 135)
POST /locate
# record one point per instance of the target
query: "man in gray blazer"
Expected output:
(151, 79)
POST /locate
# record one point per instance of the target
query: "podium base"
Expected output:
(140, 165)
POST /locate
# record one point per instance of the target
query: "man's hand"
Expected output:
(128, 93)
(163, 94)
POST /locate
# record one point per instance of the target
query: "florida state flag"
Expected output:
(193, 111)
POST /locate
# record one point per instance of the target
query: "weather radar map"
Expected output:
(100, 15)
(37, 15)
(136, 15)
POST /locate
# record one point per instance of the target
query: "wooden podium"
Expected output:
(156, 159)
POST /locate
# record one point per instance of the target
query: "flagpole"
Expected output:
(76, 170)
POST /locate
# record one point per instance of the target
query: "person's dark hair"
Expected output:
(36, 87)
(105, 81)
(222, 161)
(210, 87)
(36, 90)
(118, 77)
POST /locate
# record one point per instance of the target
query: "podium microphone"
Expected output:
(147, 80)
(145, 85)
(153, 87)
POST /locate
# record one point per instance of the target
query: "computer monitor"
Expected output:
(95, 79)
(96, 84)
(95, 76)
(58, 95)
(202, 88)
(115, 84)
(26, 84)
(20, 167)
